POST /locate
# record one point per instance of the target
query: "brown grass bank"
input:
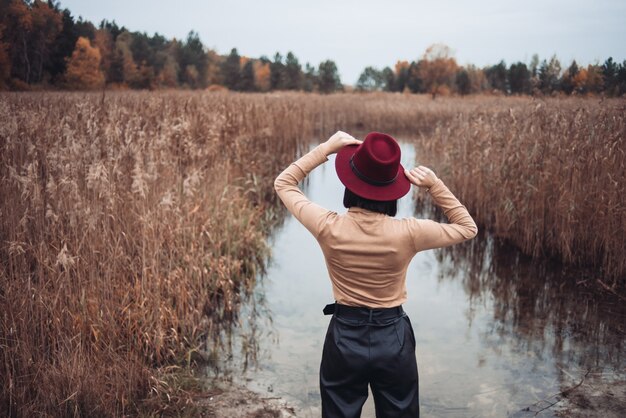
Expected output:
(131, 228)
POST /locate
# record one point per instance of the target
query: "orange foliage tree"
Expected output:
(104, 42)
(262, 75)
(437, 70)
(401, 70)
(213, 68)
(83, 68)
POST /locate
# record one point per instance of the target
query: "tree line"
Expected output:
(438, 73)
(44, 46)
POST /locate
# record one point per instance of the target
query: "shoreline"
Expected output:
(226, 399)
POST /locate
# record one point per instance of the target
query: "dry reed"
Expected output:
(133, 225)
(547, 175)
(130, 231)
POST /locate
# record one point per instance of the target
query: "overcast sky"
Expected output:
(360, 33)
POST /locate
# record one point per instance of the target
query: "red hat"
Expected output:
(372, 170)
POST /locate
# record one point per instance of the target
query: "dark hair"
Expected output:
(387, 207)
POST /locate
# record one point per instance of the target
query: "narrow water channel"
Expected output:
(496, 332)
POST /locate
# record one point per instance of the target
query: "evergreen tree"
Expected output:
(389, 79)
(568, 83)
(246, 80)
(549, 75)
(277, 73)
(329, 80)
(370, 80)
(63, 46)
(414, 82)
(293, 72)
(192, 53)
(497, 77)
(310, 78)
(231, 71)
(621, 79)
(519, 78)
(463, 84)
(609, 74)
(112, 27)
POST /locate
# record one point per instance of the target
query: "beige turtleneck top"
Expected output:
(367, 254)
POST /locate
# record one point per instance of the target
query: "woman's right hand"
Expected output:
(339, 140)
(421, 176)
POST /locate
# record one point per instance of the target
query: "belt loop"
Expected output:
(371, 311)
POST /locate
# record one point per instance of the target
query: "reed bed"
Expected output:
(131, 230)
(133, 225)
(547, 175)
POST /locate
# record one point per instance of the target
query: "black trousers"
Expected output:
(375, 347)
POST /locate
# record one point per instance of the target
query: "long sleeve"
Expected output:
(429, 234)
(311, 215)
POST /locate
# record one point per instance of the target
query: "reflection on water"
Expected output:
(496, 333)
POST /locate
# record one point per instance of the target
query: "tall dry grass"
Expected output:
(130, 231)
(547, 175)
(132, 227)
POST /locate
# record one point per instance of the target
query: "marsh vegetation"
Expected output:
(133, 225)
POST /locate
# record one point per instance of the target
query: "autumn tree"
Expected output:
(401, 72)
(104, 42)
(123, 67)
(83, 68)
(261, 75)
(477, 78)
(214, 61)
(65, 42)
(168, 75)
(437, 70)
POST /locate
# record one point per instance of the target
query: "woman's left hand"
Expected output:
(339, 140)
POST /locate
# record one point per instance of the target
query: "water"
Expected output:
(496, 333)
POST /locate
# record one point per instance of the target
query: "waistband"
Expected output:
(363, 313)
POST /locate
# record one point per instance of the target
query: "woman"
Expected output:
(370, 339)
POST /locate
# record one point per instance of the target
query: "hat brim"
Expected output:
(392, 191)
